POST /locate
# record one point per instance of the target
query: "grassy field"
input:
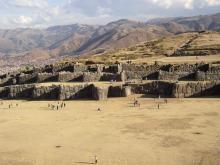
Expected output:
(182, 132)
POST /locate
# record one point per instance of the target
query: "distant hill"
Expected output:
(183, 24)
(20, 41)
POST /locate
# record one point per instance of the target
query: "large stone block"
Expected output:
(83, 91)
(126, 91)
(100, 93)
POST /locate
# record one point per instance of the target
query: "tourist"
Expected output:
(166, 101)
(135, 102)
(95, 160)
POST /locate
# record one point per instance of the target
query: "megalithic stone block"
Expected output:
(126, 91)
(100, 93)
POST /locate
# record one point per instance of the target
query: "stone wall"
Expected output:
(75, 92)
(4, 91)
(80, 68)
(100, 93)
(162, 88)
(67, 67)
(196, 89)
(91, 77)
(117, 68)
(96, 68)
(7, 81)
(27, 78)
(45, 92)
(47, 77)
(70, 77)
(115, 91)
(20, 91)
(207, 76)
(163, 75)
(111, 77)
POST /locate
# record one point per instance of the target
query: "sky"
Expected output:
(45, 13)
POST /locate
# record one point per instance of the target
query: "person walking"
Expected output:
(95, 160)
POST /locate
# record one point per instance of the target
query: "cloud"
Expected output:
(189, 4)
(41, 13)
(25, 20)
(213, 2)
(30, 3)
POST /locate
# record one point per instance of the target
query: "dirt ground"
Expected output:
(182, 132)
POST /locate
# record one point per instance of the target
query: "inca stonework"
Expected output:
(78, 81)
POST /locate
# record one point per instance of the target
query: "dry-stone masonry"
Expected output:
(180, 80)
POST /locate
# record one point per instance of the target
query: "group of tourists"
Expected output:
(136, 103)
(58, 106)
(10, 105)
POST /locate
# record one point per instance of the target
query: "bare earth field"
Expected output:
(182, 132)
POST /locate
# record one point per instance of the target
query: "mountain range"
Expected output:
(79, 39)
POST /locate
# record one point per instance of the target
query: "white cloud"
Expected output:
(30, 3)
(164, 3)
(38, 13)
(213, 2)
(189, 4)
(24, 20)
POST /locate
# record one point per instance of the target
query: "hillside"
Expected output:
(193, 43)
(183, 24)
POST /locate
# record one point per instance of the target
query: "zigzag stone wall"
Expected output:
(167, 80)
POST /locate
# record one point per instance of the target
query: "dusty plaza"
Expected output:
(182, 132)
